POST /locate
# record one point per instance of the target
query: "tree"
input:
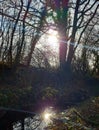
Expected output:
(91, 40)
(24, 23)
(82, 13)
(81, 21)
(30, 20)
(38, 32)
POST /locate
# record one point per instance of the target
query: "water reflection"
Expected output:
(38, 122)
(29, 123)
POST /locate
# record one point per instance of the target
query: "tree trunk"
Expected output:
(62, 10)
(70, 53)
(30, 53)
(12, 35)
(72, 41)
(62, 49)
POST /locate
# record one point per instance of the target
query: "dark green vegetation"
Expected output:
(41, 88)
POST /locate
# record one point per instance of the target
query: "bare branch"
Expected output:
(87, 25)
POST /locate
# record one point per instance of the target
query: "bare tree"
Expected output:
(71, 30)
(25, 21)
(84, 13)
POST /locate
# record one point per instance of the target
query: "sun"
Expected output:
(53, 38)
(47, 116)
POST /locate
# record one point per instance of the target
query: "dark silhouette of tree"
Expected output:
(24, 26)
(12, 34)
(82, 13)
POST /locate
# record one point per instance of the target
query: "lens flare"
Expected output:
(53, 39)
(47, 116)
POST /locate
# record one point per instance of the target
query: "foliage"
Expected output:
(14, 97)
(79, 118)
(48, 94)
